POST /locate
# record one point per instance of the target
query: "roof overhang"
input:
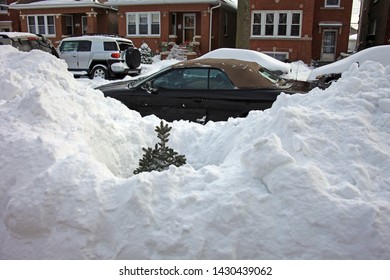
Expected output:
(59, 4)
(181, 2)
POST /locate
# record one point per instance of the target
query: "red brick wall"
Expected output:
(343, 15)
(308, 47)
(297, 48)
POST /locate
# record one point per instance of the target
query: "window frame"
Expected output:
(263, 27)
(326, 5)
(150, 24)
(34, 28)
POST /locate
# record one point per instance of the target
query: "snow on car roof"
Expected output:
(250, 55)
(379, 54)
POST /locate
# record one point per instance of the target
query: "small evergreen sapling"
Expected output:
(146, 54)
(161, 157)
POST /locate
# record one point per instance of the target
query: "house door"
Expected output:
(189, 27)
(328, 52)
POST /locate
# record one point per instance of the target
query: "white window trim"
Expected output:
(276, 24)
(326, 5)
(4, 9)
(46, 33)
(137, 15)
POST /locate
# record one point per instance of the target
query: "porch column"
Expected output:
(23, 23)
(205, 32)
(58, 26)
(92, 22)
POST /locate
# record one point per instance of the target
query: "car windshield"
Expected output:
(141, 80)
(275, 79)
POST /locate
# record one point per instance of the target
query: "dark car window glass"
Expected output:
(110, 46)
(69, 46)
(124, 46)
(219, 80)
(84, 46)
(192, 78)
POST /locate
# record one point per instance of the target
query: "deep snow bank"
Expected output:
(306, 179)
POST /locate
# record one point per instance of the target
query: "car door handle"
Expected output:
(198, 100)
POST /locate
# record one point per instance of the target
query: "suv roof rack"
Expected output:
(103, 34)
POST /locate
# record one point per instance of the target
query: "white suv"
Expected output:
(100, 56)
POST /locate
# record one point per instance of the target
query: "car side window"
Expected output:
(219, 80)
(84, 46)
(110, 46)
(192, 78)
(69, 46)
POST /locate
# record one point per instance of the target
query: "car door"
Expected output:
(175, 95)
(84, 54)
(68, 52)
(226, 101)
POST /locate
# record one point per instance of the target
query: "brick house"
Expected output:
(62, 18)
(8, 18)
(154, 21)
(304, 30)
(374, 24)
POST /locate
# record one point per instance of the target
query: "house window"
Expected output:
(282, 56)
(276, 23)
(146, 24)
(332, 3)
(41, 24)
(3, 7)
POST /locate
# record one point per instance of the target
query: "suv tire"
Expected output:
(133, 58)
(100, 71)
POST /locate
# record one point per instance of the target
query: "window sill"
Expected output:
(332, 8)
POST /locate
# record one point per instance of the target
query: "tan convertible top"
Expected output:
(243, 74)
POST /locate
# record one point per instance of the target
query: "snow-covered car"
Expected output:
(25, 42)
(204, 89)
(100, 56)
(272, 64)
(331, 72)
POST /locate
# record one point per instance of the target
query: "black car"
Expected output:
(204, 89)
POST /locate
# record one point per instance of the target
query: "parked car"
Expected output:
(204, 89)
(101, 56)
(26, 42)
(276, 66)
(332, 72)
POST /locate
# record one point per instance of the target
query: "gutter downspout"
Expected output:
(211, 22)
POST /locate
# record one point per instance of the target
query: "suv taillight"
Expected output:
(116, 55)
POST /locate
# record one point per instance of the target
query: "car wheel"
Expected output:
(99, 71)
(133, 58)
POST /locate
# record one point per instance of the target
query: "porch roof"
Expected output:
(230, 3)
(48, 4)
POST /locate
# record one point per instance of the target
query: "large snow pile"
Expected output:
(306, 179)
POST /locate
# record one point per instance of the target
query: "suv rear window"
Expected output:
(110, 46)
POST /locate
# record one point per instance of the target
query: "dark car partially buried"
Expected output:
(204, 89)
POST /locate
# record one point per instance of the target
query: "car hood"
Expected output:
(302, 86)
(115, 86)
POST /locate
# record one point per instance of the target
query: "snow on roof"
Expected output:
(151, 2)
(57, 4)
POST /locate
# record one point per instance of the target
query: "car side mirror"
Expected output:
(149, 88)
